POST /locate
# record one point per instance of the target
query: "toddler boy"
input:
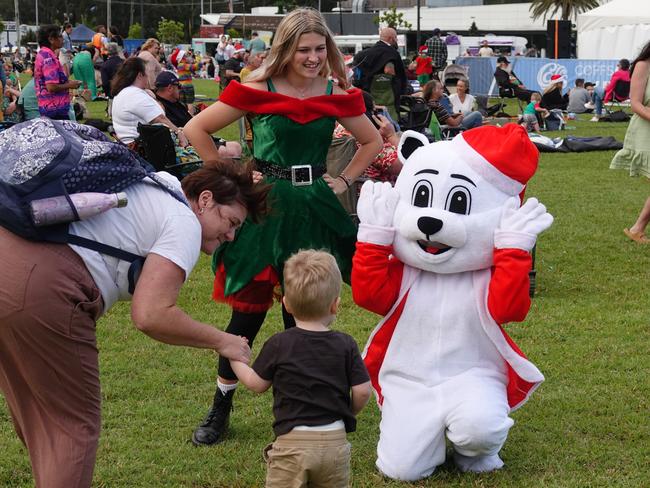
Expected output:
(530, 120)
(319, 380)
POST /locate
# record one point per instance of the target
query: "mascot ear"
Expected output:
(409, 142)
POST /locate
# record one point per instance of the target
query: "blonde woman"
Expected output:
(293, 105)
(150, 52)
(552, 97)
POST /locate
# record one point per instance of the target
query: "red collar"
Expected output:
(304, 111)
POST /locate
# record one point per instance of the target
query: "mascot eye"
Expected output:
(459, 200)
(422, 194)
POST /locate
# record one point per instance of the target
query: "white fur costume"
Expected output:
(444, 256)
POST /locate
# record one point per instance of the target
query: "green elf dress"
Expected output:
(286, 132)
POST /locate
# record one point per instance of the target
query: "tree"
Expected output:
(568, 8)
(170, 31)
(473, 29)
(2, 26)
(392, 18)
(29, 36)
(135, 31)
(233, 33)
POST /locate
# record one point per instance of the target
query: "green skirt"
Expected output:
(302, 217)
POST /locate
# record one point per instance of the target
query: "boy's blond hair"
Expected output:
(312, 281)
(536, 96)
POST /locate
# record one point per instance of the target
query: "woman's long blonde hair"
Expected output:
(152, 41)
(285, 44)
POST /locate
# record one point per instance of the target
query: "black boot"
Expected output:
(213, 428)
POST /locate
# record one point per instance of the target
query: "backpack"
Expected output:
(45, 158)
(555, 120)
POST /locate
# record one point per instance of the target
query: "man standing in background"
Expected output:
(437, 50)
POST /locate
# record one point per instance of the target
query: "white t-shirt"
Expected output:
(228, 51)
(152, 222)
(485, 52)
(130, 106)
(462, 107)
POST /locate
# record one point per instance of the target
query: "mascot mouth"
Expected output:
(435, 248)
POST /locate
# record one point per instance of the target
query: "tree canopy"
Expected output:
(567, 8)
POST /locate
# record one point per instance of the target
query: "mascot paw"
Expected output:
(478, 464)
(377, 203)
(520, 226)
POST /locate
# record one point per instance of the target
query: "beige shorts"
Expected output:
(308, 458)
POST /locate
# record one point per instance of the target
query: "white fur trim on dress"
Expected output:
(522, 366)
(484, 168)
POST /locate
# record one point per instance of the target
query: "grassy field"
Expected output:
(587, 331)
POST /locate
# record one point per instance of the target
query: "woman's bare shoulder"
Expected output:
(257, 85)
(337, 90)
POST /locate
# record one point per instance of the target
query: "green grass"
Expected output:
(587, 331)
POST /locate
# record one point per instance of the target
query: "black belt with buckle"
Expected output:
(298, 174)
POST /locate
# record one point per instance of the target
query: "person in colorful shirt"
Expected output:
(386, 165)
(294, 106)
(51, 83)
(186, 67)
(423, 66)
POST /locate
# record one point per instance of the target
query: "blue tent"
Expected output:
(81, 33)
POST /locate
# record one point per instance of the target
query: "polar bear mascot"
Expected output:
(444, 256)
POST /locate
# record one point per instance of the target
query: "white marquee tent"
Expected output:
(615, 30)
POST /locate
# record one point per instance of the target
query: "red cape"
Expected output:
(302, 111)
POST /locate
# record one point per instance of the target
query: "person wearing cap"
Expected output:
(508, 81)
(552, 97)
(169, 97)
(234, 65)
(423, 66)
(485, 51)
(168, 94)
(134, 104)
(437, 50)
(108, 70)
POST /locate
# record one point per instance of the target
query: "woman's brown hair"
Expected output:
(229, 183)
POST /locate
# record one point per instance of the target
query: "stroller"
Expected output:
(453, 73)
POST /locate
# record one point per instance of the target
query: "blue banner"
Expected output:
(535, 73)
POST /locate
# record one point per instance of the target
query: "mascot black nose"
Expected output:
(429, 225)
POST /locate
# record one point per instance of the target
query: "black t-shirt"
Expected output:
(312, 373)
(176, 112)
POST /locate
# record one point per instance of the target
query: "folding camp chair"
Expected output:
(415, 113)
(621, 95)
(158, 149)
(441, 132)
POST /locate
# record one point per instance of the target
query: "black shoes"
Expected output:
(213, 428)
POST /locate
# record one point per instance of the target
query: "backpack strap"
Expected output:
(137, 262)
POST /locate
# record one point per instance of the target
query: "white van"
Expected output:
(354, 44)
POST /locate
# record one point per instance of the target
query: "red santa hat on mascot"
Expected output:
(177, 56)
(504, 156)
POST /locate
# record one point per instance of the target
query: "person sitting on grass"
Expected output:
(319, 380)
(433, 93)
(529, 120)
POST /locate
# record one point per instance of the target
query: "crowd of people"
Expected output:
(253, 220)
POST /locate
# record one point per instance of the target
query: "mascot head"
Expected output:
(451, 195)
